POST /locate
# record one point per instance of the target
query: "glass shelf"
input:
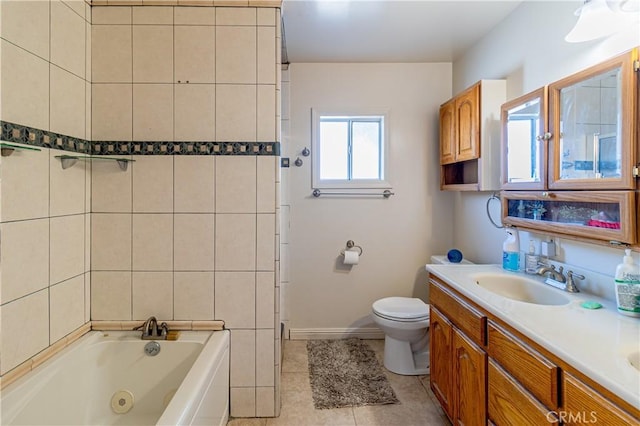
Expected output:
(8, 148)
(604, 215)
(69, 160)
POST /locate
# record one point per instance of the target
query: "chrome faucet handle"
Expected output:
(571, 285)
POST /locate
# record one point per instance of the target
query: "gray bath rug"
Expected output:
(346, 373)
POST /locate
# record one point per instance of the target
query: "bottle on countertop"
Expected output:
(628, 286)
(511, 251)
(531, 259)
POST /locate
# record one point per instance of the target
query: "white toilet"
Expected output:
(405, 322)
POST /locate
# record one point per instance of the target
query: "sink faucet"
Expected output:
(551, 270)
(151, 330)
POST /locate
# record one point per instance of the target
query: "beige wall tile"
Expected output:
(152, 54)
(153, 184)
(110, 242)
(266, 113)
(194, 180)
(195, 112)
(265, 242)
(242, 402)
(67, 247)
(111, 15)
(87, 111)
(66, 307)
(67, 103)
(110, 295)
(235, 299)
(193, 295)
(14, 16)
(87, 53)
(25, 185)
(111, 188)
(236, 55)
(152, 15)
(25, 329)
(266, 16)
(235, 16)
(67, 38)
(265, 299)
(235, 184)
(66, 187)
(78, 6)
(194, 16)
(153, 295)
(235, 112)
(267, 47)
(243, 358)
(152, 112)
(111, 112)
(152, 242)
(265, 357)
(87, 242)
(235, 242)
(193, 242)
(25, 87)
(24, 258)
(265, 181)
(87, 297)
(113, 64)
(195, 51)
(265, 401)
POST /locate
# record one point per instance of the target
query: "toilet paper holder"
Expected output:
(351, 245)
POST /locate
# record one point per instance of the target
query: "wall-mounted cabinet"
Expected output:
(470, 138)
(599, 215)
(583, 146)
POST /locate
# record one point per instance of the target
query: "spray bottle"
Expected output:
(511, 251)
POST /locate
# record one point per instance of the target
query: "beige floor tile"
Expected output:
(418, 405)
(247, 422)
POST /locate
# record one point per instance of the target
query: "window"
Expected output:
(349, 150)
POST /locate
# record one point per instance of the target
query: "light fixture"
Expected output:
(595, 20)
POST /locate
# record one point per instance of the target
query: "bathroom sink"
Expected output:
(634, 360)
(521, 289)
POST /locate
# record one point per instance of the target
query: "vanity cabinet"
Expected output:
(458, 360)
(596, 215)
(483, 371)
(470, 138)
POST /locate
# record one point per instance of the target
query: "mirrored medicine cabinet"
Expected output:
(578, 134)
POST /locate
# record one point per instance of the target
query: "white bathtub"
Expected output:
(186, 383)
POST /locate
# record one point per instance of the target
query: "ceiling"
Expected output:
(386, 31)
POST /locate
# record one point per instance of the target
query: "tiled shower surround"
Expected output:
(190, 230)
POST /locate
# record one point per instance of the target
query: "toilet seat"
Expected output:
(403, 309)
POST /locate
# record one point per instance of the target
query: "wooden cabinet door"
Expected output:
(447, 133)
(470, 390)
(467, 116)
(441, 359)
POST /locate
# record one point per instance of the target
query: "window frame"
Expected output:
(366, 114)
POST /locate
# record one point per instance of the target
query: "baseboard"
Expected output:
(335, 333)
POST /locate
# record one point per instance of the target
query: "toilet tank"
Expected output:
(442, 258)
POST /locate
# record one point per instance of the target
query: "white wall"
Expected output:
(528, 49)
(399, 234)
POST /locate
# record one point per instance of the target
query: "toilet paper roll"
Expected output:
(351, 257)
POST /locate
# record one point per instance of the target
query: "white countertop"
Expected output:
(595, 342)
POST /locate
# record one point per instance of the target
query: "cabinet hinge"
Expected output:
(636, 171)
(636, 65)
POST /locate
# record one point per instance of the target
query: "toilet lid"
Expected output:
(402, 308)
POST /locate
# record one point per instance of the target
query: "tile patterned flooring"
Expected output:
(418, 406)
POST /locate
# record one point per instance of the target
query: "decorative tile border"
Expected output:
(17, 133)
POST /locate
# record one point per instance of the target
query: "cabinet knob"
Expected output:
(546, 194)
(544, 137)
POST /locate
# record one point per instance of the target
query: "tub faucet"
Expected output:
(151, 330)
(551, 270)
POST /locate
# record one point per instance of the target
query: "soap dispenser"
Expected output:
(511, 251)
(628, 286)
(531, 259)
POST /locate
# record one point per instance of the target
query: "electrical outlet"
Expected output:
(548, 248)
